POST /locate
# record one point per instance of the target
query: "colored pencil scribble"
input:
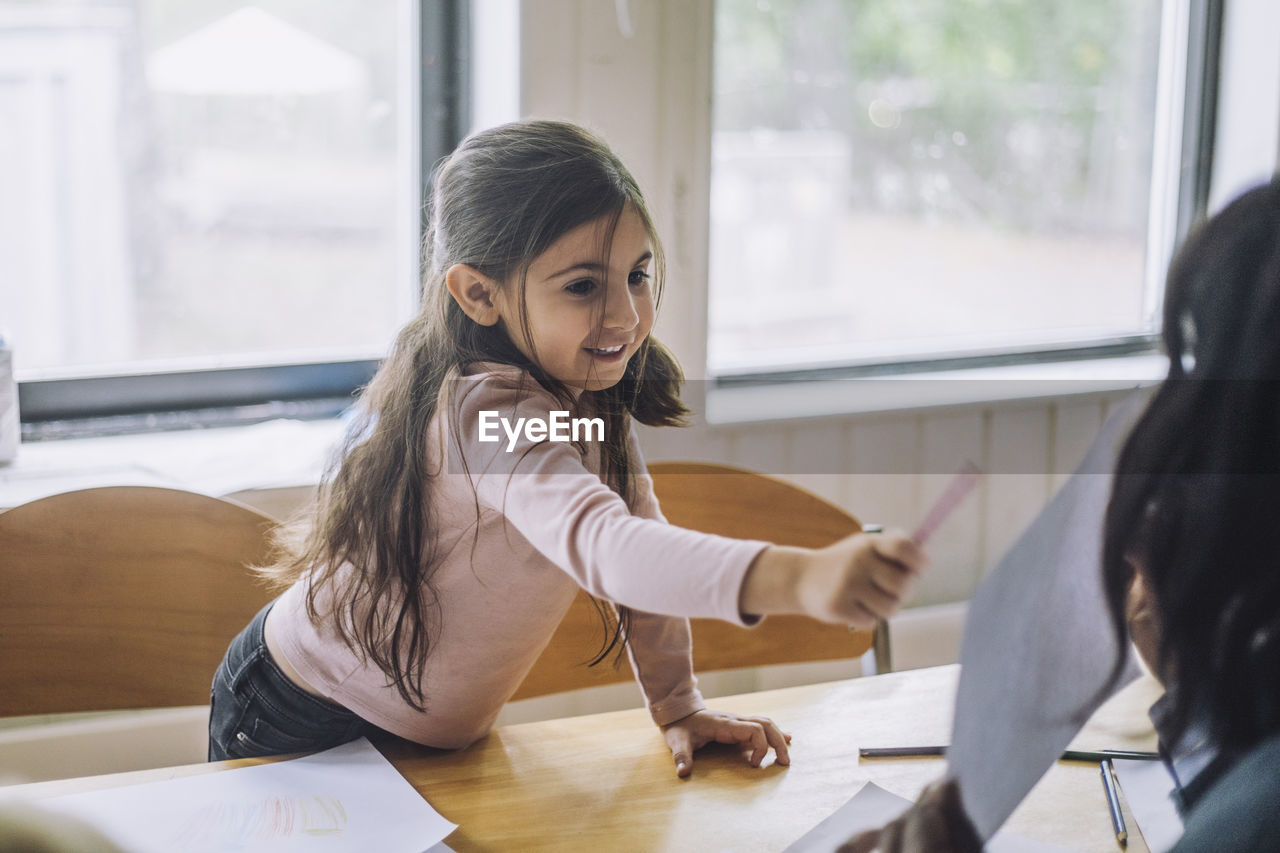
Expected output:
(244, 825)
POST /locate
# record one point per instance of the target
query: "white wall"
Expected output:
(1247, 144)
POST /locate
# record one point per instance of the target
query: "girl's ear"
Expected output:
(475, 293)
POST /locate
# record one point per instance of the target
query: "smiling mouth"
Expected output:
(605, 350)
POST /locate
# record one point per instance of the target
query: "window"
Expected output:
(210, 202)
(929, 180)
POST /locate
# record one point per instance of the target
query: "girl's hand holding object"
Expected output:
(857, 581)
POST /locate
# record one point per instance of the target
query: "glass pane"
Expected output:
(904, 178)
(203, 183)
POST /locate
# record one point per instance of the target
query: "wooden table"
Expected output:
(607, 782)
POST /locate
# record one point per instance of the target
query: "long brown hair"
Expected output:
(498, 202)
(1195, 488)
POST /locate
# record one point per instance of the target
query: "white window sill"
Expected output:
(276, 454)
(834, 397)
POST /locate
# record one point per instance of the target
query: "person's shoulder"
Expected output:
(1239, 812)
(487, 385)
(490, 378)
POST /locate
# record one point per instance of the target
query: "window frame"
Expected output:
(93, 405)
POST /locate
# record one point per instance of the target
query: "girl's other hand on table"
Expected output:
(691, 733)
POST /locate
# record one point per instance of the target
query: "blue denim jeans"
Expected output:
(256, 710)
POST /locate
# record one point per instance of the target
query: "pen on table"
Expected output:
(1108, 754)
(900, 751)
(1068, 755)
(1113, 802)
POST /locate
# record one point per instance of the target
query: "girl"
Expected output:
(1192, 549)
(452, 536)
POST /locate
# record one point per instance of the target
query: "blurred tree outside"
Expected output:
(1019, 111)
(902, 177)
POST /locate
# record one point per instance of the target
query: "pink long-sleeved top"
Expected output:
(547, 526)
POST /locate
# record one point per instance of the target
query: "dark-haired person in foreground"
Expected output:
(1191, 557)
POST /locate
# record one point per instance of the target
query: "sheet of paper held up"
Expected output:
(345, 798)
(871, 808)
(1038, 642)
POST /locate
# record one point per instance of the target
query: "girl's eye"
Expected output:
(637, 278)
(584, 287)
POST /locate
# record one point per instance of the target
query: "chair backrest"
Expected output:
(122, 597)
(731, 502)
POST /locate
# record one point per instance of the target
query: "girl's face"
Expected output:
(586, 321)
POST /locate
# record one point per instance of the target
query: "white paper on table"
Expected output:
(342, 799)
(1148, 787)
(1038, 643)
(871, 808)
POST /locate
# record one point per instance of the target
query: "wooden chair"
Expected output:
(122, 597)
(731, 502)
